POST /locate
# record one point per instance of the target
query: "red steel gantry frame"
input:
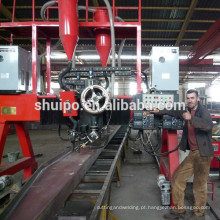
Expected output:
(46, 29)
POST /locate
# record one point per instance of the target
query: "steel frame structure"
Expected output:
(49, 30)
(20, 109)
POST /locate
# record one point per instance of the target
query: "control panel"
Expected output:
(159, 101)
(172, 123)
(143, 120)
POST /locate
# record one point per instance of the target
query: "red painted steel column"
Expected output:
(172, 142)
(13, 11)
(87, 14)
(4, 127)
(48, 45)
(26, 147)
(139, 50)
(68, 25)
(138, 59)
(34, 59)
(33, 10)
(113, 9)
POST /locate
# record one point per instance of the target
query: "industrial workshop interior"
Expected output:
(103, 103)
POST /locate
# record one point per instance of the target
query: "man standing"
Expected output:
(197, 137)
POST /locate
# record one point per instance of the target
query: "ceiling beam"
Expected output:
(126, 20)
(155, 30)
(208, 43)
(178, 8)
(207, 9)
(168, 30)
(173, 20)
(133, 39)
(8, 15)
(143, 8)
(186, 21)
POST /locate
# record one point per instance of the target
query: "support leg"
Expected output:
(26, 147)
(4, 127)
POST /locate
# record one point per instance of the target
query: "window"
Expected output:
(116, 88)
(133, 88)
(195, 85)
(214, 93)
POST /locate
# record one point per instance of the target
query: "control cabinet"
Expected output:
(164, 68)
(172, 123)
(143, 120)
(159, 101)
(15, 69)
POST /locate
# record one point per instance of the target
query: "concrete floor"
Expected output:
(46, 145)
(138, 197)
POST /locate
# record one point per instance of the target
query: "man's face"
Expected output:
(192, 100)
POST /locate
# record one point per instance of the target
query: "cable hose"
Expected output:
(106, 79)
(146, 81)
(157, 154)
(59, 134)
(156, 148)
(44, 8)
(163, 154)
(63, 72)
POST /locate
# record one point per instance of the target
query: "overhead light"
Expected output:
(183, 57)
(55, 85)
(89, 57)
(196, 85)
(60, 55)
(216, 81)
(214, 93)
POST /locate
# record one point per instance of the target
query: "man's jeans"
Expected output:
(199, 166)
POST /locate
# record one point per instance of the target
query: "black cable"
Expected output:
(63, 72)
(74, 122)
(152, 152)
(106, 79)
(163, 154)
(44, 8)
(157, 147)
(145, 145)
(59, 134)
(146, 81)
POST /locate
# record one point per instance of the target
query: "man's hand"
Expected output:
(187, 115)
(154, 111)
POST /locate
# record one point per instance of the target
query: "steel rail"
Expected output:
(101, 199)
(71, 166)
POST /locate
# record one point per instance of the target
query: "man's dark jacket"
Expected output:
(202, 123)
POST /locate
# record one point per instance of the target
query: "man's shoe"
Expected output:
(174, 215)
(196, 217)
